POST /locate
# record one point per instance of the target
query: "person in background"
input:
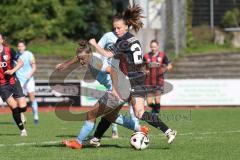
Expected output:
(25, 76)
(157, 63)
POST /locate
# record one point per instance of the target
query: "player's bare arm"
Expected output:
(66, 64)
(34, 68)
(99, 49)
(12, 71)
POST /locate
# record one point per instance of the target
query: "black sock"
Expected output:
(24, 109)
(156, 108)
(102, 127)
(151, 105)
(17, 118)
(154, 121)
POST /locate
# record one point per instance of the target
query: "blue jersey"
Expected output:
(107, 39)
(103, 77)
(28, 59)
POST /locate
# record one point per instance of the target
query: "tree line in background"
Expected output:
(54, 19)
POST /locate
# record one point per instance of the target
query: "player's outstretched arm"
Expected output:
(99, 49)
(66, 64)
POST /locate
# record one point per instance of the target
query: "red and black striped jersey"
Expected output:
(7, 58)
(154, 64)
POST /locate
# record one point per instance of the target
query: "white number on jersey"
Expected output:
(137, 53)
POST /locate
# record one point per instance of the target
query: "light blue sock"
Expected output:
(86, 129)
(134, 118)
(127, 123)
(114, 127)
(35, 109)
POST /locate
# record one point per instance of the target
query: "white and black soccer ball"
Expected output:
(139, 140)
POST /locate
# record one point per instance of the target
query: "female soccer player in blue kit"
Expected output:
(84, 55)
(25, 76)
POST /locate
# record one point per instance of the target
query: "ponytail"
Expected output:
(132, 17)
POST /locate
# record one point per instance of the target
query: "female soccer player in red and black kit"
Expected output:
(10, 88)
(128, 50)
(157, 64)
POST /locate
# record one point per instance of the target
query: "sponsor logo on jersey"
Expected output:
(3, 64)
(159, 59)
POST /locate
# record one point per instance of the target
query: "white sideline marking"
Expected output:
(30, 144)
(151, 135)
(207, 133)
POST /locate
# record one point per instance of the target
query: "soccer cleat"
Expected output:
(171, 135)
(115, 135)
(23, 133)
(144, 129)
(23, 118)
(36, 121)
(95, 142)
(74, 144)
(65, 141)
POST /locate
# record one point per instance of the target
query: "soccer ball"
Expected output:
(139, 140)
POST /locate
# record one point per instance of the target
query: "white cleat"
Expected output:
(95, 142)
(171, 135)
(23, 133)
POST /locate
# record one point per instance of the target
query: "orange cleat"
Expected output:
(144, 129)
(74, 144)
(64, 142)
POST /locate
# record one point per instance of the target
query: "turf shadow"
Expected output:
(6, 123)
(66, 136)
(9, 134)
(85, 146)
(159, 147)
(49, 145)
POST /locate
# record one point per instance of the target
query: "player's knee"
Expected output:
(23, 109)
(139, 114)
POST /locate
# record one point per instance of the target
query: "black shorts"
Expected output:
(137, 80)
(9, 90)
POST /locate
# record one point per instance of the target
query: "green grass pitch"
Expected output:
(202, 134)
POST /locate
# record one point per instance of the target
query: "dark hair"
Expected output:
(22, 41)
(4, 40)
(154, 41)
(132, 17)
(83, 47)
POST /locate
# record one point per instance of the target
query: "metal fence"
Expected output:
(165, 21)
(173, 32)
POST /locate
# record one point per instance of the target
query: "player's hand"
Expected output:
(61, 66)
(28, 77)
(146, 71)
(9, 72)
(92, 42)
